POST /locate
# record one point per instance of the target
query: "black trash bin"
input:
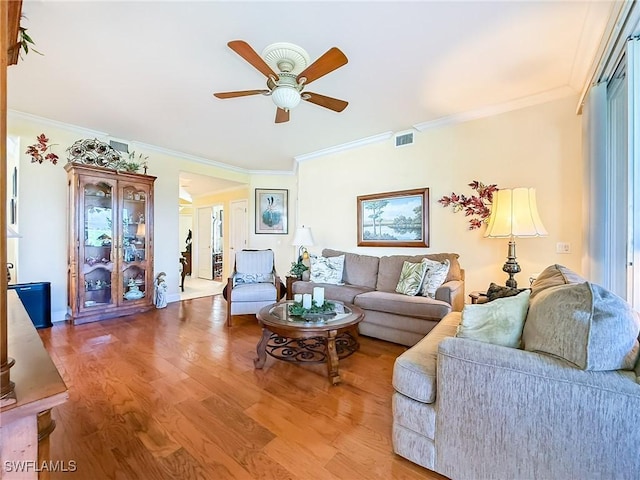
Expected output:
(36, 298)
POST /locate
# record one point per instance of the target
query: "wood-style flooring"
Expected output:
(173, 394)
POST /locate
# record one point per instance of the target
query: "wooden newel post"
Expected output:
(9, 23)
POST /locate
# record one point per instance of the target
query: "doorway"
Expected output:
(205, 210)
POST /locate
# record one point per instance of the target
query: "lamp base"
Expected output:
(511, 266)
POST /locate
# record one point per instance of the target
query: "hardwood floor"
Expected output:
(173, 394)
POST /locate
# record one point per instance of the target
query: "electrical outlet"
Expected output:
(563, 247)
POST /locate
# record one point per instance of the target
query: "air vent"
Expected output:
(404, 139)
(119, 146)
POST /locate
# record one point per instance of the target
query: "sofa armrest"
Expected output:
(452, 292)
(529, 415)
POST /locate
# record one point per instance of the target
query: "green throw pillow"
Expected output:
(411, 278)
(499, 322)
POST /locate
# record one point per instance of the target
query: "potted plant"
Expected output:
(297, 269)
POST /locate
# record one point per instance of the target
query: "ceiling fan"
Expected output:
(295, 71)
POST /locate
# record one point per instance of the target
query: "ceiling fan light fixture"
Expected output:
(285, 97)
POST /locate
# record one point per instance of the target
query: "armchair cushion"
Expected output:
(254, 292)
(254, 262)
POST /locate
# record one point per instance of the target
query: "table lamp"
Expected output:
(514, 213)
(303, 239)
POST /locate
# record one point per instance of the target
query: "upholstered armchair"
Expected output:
(253, 284)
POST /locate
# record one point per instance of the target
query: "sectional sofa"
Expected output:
(370, 283)
(565, 405)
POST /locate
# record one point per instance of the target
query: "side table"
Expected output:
(478, 297)
(290, 282)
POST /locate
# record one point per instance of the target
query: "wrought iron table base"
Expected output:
(317, 349)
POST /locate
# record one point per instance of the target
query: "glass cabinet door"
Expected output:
(96, 247)
(134, 251)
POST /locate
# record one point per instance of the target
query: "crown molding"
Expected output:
(343, 147)
(187, 156)
(271, 172)
(15, 114)
(549, 95)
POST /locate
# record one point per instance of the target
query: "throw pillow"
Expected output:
(496, 291)
(435, 275)
(327, 269)
(553, 276)
(242, 278)
(584, 324)
(410, 278)
(499, 322)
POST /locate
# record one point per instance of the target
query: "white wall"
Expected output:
(283, 251)
(537, 147)
(42, 208)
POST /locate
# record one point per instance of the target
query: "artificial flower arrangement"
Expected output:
(478, 206)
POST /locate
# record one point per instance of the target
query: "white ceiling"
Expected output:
(146, 71)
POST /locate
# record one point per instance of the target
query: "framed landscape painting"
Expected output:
(394, 219)
(271, 211)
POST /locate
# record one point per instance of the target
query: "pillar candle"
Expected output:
(297, 297)
(306, 300)
(318, 296)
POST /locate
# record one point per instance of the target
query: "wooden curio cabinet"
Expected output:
(110, 243)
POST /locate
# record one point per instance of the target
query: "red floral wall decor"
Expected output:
(476, 206)
(41, 151)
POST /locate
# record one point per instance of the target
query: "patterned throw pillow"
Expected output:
(435, 275)
(327, 269)
(410, 278)
(242, 278)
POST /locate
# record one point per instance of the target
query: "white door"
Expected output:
(205, 230)
(238, 228)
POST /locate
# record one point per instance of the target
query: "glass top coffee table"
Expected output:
(315, 338)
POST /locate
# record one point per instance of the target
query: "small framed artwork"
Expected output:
(394, 219)
(272, 207)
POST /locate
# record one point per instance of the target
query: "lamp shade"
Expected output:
(514, 213)
(141, 230)
(303, 237)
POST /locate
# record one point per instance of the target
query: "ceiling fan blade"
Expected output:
(282, 115)
(326, 102)
(241, 93)
(327, 63)
(243, 49)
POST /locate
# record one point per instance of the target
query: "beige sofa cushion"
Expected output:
(553, 276)
(358, 269)
(391, 266)
(409, 306)
(584, 324)
(414, 372)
